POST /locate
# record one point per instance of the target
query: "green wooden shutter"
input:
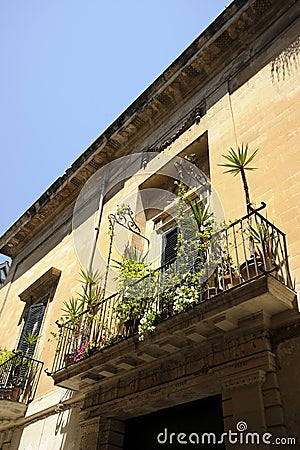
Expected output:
(32, 325)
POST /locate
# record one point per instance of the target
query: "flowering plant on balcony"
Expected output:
(86, 350)
(185, 297)
(89, 348)
(148, 321)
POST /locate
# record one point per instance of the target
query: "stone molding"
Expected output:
(193, 118)
(42, 286)
(244, 379)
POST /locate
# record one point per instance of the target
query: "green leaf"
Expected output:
(238, 160)
(200, 212)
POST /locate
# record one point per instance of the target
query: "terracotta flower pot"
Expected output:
(211, 292)
(231, 280)
(251, 268)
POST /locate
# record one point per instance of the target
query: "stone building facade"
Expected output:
(233, 358)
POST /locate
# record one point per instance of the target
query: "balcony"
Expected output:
(241, 275)
(19, 377)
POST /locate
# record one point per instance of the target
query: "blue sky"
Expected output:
(68, 69)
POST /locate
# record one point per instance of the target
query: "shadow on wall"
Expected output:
(39, 435)
(68, 427)
(286, 62)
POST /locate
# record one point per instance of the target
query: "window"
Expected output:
(31, 326)
(36, 297)
(4, 267)
(169, 246)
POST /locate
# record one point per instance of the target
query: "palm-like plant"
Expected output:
(205, 243)
(71, 310)
(30, 339)
(239, 162)
(92, 291)
(131, 267)
(201, 213)
(266, 243)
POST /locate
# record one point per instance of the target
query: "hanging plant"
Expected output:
(5, 355)
(131, 306)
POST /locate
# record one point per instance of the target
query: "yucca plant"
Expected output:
(88, 299)
(237, 163)
(201, 213)
(72, 309)
(30, 339)
(92, 291)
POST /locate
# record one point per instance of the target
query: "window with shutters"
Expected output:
(36, 297)
(169, 246)
(31, 329)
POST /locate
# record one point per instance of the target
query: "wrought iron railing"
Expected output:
(19, 378)
(245, 249)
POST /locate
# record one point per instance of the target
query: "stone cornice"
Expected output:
(193, 118)
(229, 35)
(41, 286)
(244, 379)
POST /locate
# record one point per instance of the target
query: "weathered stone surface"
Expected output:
(238, 82)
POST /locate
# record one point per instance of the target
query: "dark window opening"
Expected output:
(169, 246)
(4, 268)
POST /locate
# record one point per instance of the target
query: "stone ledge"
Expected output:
(10, 410)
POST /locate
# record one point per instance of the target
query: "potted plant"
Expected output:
(228, 271)
(69, 326)
(238, 162)
(131, 305)
(78, 319)
(92, 292)
(266, 246)
(265, 251)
